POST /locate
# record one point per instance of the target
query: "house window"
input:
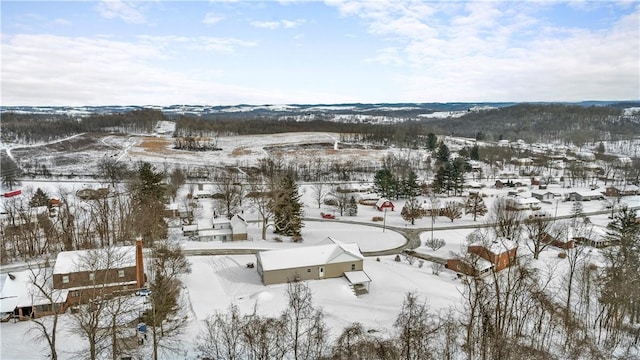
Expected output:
(125, 287)
(92, 276)
(120, 273)
(65, 279)
(308, 270)
(353, 267)
(75, 293)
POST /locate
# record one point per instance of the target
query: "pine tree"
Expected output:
(410, 185)
(620, 295)
(287, 208)
(148, 193)
(352, 207)
(443, 153)
(40, 198)
(432, 141)
(384, 183)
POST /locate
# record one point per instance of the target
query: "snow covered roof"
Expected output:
(95, 259)
(357, 277)
(381, 202)
(329, 251)
(589, 193)
(497, 246)
(18, 290)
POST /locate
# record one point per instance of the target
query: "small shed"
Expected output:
(383, 204)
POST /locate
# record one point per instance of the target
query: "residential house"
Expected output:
(219, 229)
(384, 204)
(88, 274)
(543, 196)
(591, 235)
(21, 298)
(585, 195)
(565, 241)
(501, 253)
(519, 203)
(627, 190)
(329, 259)
(472, 265)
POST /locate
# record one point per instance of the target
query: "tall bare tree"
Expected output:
(306, 332)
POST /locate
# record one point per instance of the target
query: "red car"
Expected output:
(327, 216)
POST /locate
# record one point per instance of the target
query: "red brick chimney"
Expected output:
(139, 264)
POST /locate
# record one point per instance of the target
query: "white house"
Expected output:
(329, 259)
(219, 229)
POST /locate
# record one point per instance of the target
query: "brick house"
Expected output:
(88, 274)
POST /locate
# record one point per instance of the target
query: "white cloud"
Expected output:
(494, 51)
(126, 10)
(272, 25)
(266, 24)
(212, 18)
(56, 70)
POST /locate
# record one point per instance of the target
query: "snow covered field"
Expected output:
(218, 281)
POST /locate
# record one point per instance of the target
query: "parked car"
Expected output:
(143, 292)
(327, 216)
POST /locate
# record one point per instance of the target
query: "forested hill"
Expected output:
(402, 124)
(546, 122)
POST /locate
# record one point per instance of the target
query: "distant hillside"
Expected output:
(400, 124)
(545, 122)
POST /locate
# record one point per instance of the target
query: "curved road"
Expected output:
(412, 235)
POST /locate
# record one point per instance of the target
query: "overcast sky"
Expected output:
(231, 52)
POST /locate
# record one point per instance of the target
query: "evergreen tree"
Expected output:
(620, 295)
(287, 208)
(443, 154)
(432, 141)
(148, 194)
(40, 198)
(352, 207)
(410, 186)
(474, 153)
(384, 183)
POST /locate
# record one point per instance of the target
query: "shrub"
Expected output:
(397, 259)
(435, 268)
(377, 218)
(562, 255)
(435, 244)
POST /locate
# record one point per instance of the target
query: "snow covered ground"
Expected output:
(218, 281)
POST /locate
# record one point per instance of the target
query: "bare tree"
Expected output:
(341, 199)
(50, 300)
(222, 337)
(416, 329)
(228, 189)
(264, 338)
(412, 210)
(475, 205)
(452, 210)
(305, 332)
(319, 192)
(261, 196)
(542, 231)
(506, 223)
